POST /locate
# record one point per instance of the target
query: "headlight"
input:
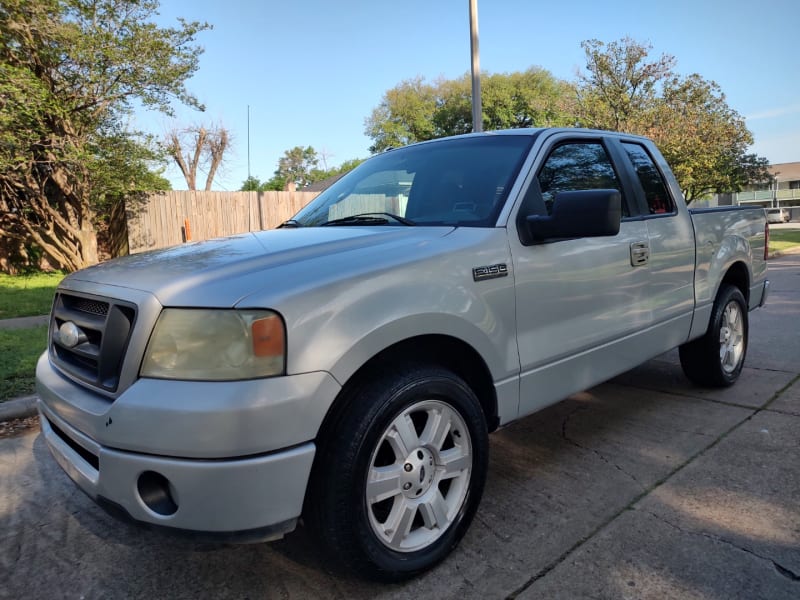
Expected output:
(215, 345)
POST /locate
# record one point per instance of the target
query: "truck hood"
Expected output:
(219, 273)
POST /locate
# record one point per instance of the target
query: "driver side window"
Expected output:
(578, 166)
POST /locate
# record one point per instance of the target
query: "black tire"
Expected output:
(361, 441)
(716, 359)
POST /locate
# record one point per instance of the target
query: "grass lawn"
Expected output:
(19, 351)
(27, 295)
(783, 239)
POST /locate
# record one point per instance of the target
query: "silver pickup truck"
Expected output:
(347, 367)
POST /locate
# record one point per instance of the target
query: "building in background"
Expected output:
(782, 192)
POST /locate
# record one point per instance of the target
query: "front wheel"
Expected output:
(400, 473)
(717, 358)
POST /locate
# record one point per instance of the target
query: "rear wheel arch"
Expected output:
(737, 275)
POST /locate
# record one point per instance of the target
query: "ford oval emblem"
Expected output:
(69, 334)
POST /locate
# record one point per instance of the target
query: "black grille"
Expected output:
(95, 307)
(103, 329)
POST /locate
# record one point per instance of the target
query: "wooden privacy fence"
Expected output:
(162, 219)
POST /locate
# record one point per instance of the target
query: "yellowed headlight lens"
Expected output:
(215, 345)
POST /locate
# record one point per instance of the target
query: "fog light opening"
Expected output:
(154, 490)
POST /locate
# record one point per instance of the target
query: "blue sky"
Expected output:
(312, 71)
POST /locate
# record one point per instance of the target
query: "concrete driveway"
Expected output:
(643, 487)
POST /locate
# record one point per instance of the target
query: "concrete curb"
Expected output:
(787, 252)
(18, 408)
(24, 322)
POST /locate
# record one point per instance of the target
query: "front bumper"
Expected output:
(229, 496)
(185, 456)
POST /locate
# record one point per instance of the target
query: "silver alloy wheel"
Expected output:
(418, 476)
(731, 337)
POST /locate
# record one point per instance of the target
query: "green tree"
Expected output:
(278, 181)
(251, 184)
(404, 116)
(70, 72)
(414, 110)
(619, 89)
(704, 140)
(298, 164)
(343, 168)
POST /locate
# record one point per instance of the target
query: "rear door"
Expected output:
(671, 243)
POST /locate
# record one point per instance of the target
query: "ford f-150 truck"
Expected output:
(347, 367)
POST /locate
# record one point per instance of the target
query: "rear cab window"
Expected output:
(656, 196)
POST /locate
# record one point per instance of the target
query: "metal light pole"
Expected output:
(477, 112)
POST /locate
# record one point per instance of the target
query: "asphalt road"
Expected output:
(643, 487)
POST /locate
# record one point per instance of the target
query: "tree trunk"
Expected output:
(58, 221)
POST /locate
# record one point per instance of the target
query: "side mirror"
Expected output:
(583, 213)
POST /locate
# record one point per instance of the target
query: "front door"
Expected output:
(577, 299)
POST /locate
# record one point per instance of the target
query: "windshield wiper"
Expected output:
(291, 223)
(371, 218)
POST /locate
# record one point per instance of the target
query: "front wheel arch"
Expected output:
(438, 350)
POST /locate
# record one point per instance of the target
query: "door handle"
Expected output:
(640, 254)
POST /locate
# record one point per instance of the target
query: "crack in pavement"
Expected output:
(782, 570)
(690, 396)
(599, 454)
(478, 517)
(786, 413)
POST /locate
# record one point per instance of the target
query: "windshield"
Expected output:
(456, 181)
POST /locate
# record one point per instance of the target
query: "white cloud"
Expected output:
(771, 113)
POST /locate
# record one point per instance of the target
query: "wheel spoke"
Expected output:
(734, 320)
(434, 511)
(726, 354)
(736, 353)
(384, 482)
(402, 436)
(454, 461)
(399, 522)
(439, 424)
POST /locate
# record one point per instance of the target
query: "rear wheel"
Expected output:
(400, 473)
(717, 358)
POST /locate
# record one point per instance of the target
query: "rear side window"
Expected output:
(655, 192)
(578, 166)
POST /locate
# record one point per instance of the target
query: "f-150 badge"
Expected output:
(489, 272)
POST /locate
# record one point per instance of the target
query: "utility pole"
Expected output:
(248, 142)
(477, 111)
